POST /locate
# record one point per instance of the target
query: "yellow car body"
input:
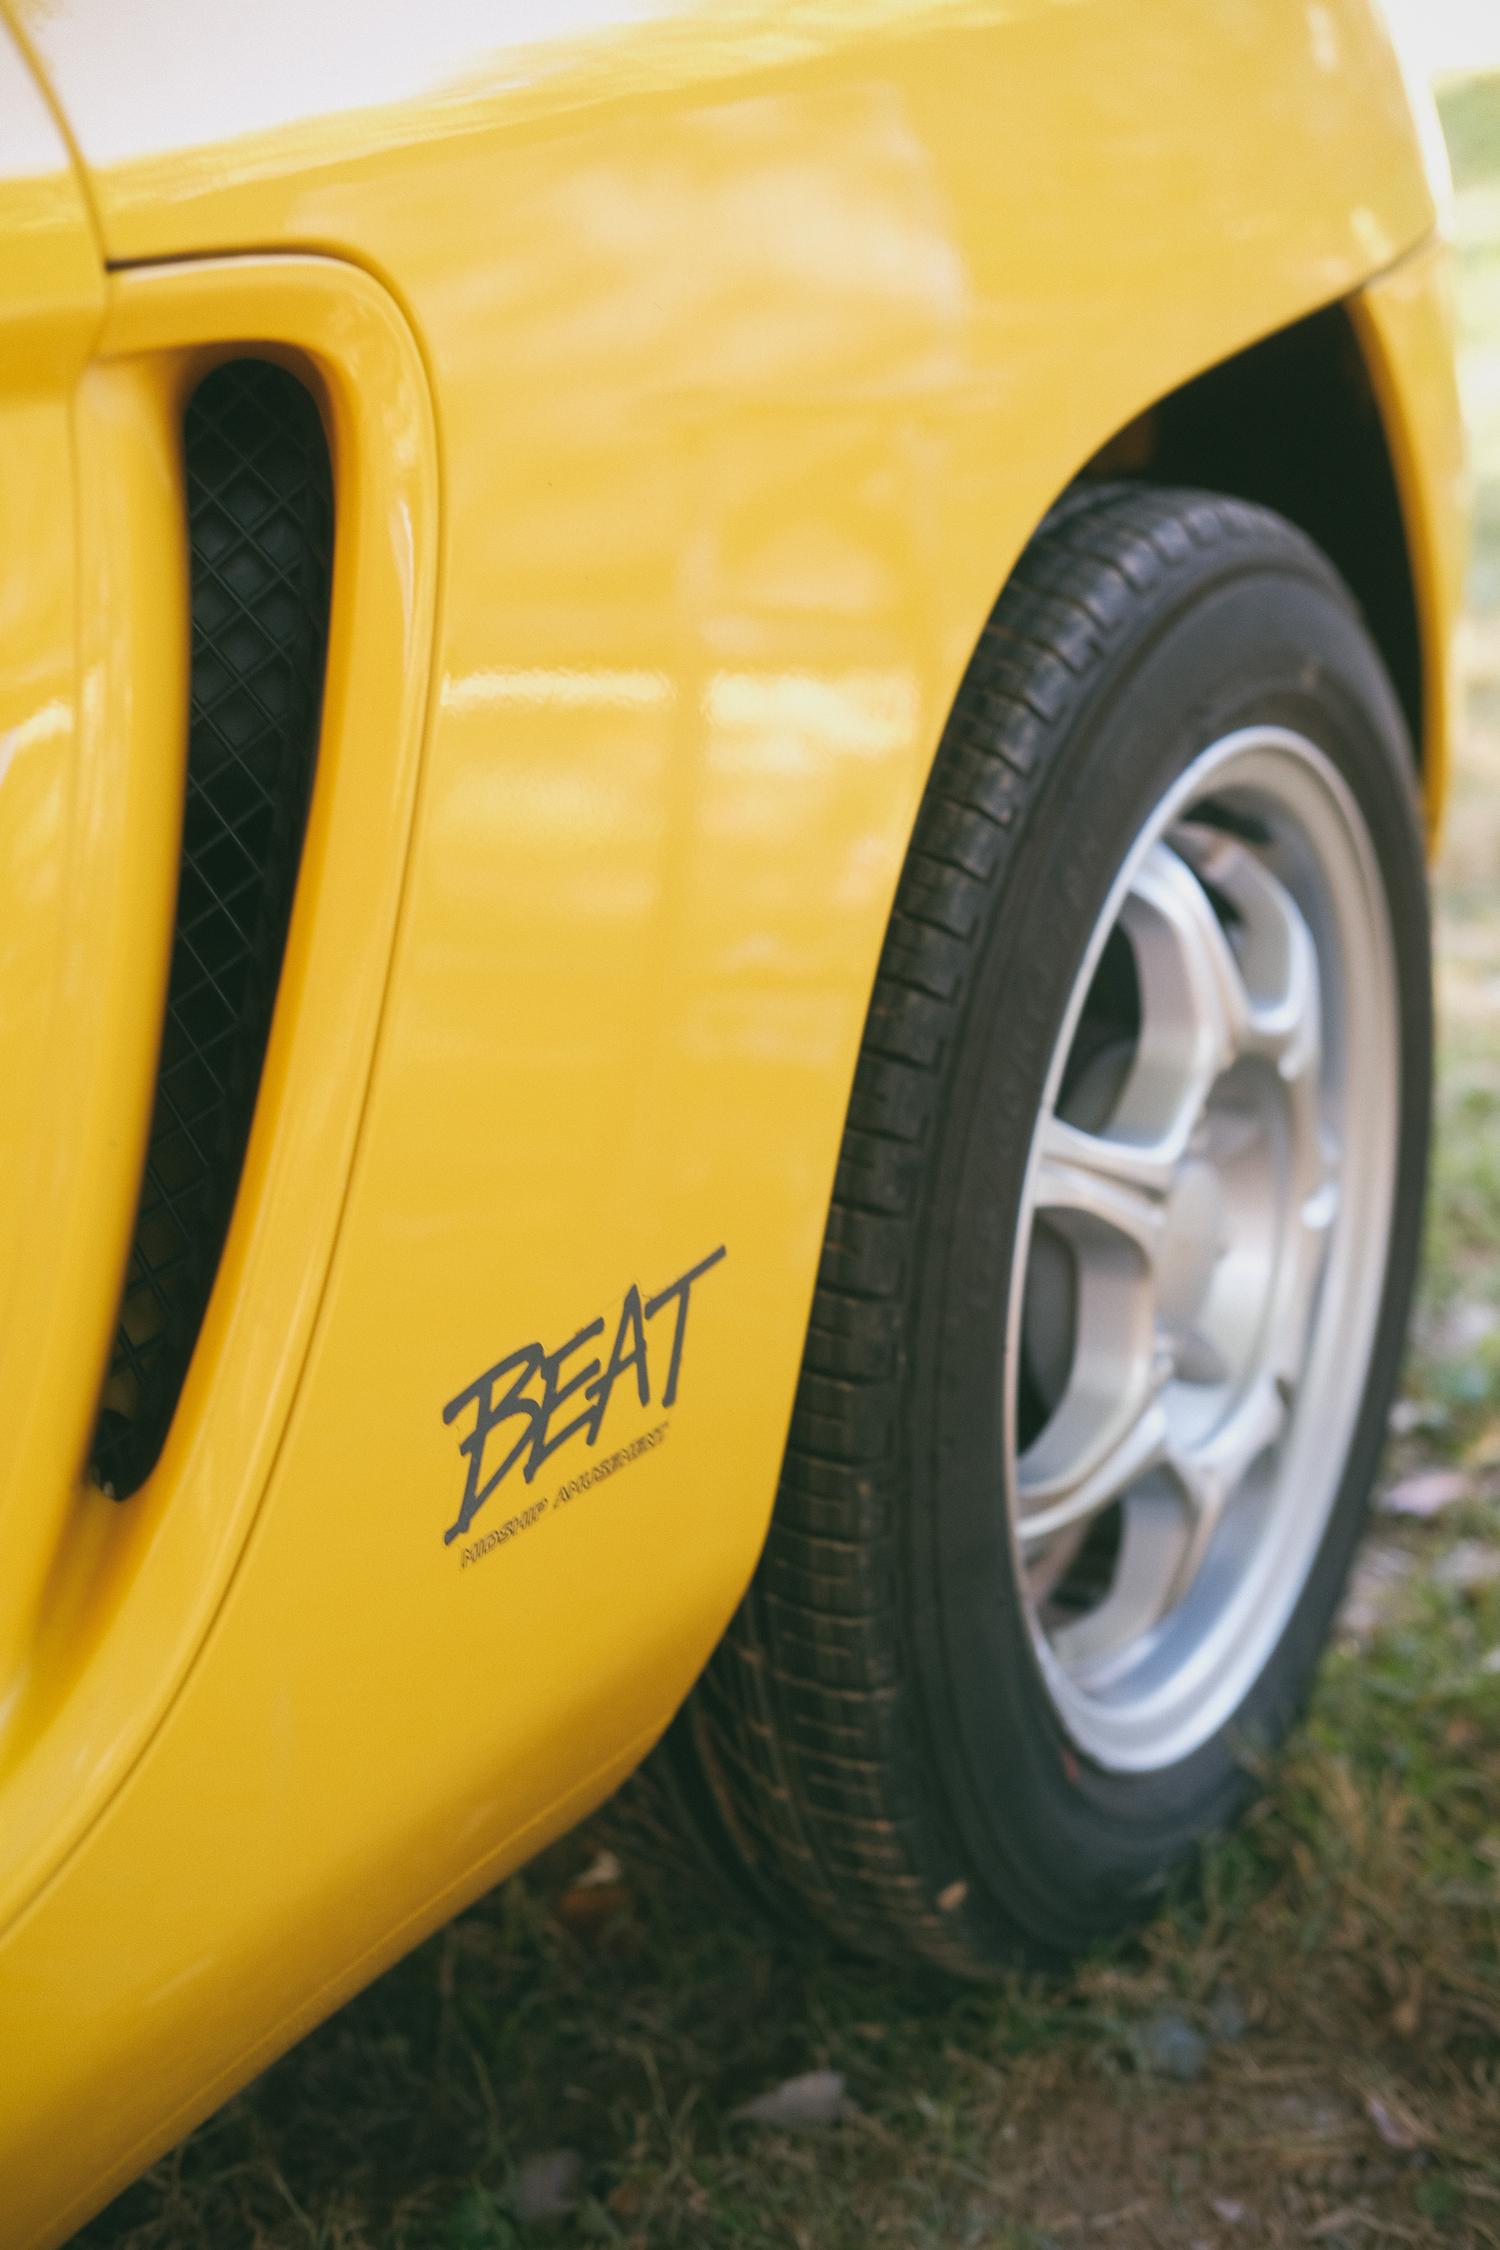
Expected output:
(693, 375)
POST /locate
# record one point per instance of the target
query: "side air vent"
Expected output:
(260, 531)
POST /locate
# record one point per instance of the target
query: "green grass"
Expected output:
(1353, 1924)
(1471, 127)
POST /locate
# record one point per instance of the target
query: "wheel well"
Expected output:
(1292, 422)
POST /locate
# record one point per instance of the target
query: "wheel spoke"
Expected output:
(1168, 1526)
(1307, 1244)
(1104, 1197)
(1195, 1008)
(1075, 1470)
(1119, 1184)
(1208, 1475)
(1223, 1459)
(1277, 961)
(1154, 1537)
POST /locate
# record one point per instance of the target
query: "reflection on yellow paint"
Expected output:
(780, 721)
(53, 719)
(539, 688)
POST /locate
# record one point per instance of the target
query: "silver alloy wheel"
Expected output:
(1201, 1248)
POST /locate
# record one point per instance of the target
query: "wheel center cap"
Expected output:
(1194, 1233)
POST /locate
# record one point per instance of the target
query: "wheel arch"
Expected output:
(1297, 423)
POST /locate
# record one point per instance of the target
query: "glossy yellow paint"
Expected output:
(88, 1093)
(1405, 324)
(129, 1591)
(60, 820)
(693, 382)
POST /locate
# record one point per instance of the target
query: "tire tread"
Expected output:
(802, 1746)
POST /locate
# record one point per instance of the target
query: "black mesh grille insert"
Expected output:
(260, 527)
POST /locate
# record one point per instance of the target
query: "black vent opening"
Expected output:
(259, 492)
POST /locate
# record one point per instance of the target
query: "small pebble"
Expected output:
(1425, 1493)
(818, 2097)
(1471, 1563)
(1169, 2047)
(1394, 2128)
(1227, 2019)
(546, 2186)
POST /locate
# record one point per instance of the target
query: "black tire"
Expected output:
(872, 1747)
